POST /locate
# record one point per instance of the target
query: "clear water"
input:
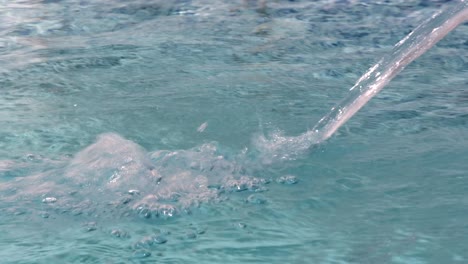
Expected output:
(131, 132)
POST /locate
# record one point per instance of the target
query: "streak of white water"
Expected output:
(404, 52)
(408, 49)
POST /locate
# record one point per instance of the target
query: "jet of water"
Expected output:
(408, 49)
(404, 52)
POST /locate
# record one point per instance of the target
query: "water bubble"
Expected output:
(150, 241)
(167, 210)
(244, 183)
(159, 239)
(125, 200)
(114, 177)
(261, 189)
(190, 235)
(239, 187)
(141, 253)
(256, 199)
(76, 212)
(169, 196)
(44, 214)
(144, 243)
(19, 211)
(143, 211)
(156, 178)
(49, 200)
(90, 226)
(242, 225)
(165, 232)
(133, 192)
(194, 165)
(287, 179)
(119, 233)
(200, 231)
(30, 157)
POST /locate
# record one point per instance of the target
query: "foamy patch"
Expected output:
(277, 147)
(117, 177)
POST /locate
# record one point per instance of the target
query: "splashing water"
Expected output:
(416, 43)
(119, 198)
(115, 176)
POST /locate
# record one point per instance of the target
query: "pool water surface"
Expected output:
(133, 132)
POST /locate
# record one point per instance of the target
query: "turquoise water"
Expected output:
(132, 132)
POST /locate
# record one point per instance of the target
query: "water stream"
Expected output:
(415, 44)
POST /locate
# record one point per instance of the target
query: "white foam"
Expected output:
(115, 175)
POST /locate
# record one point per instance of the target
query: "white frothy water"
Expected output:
(416, 43)
(117, 177)
(278, 147)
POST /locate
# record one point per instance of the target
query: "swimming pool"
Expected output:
(130, 133)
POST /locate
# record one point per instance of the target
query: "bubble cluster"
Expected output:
(287, 179)
(277, 147)
(116, 177)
